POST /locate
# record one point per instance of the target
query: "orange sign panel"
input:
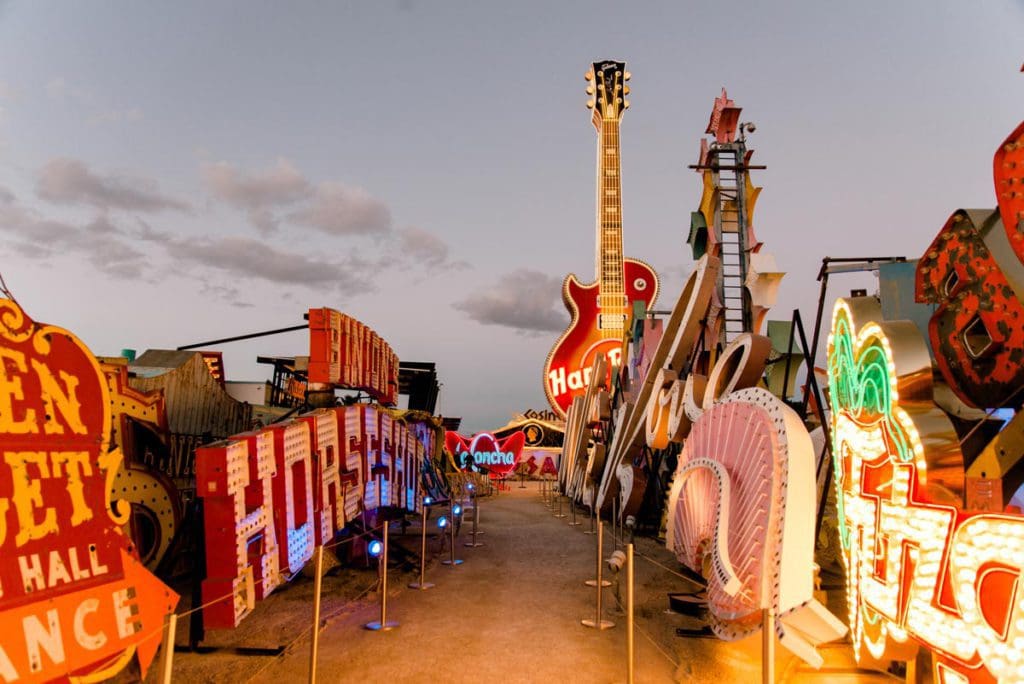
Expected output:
(345, 353)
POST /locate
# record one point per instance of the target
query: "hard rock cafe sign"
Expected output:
(75, 602)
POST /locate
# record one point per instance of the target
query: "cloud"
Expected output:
(70, 181)
(242, 257)
(339, 209)
(99, 242)
(331, 207)
(232, 295)
(426, 250)
(525, 299)
(256, 193)
(281, 184)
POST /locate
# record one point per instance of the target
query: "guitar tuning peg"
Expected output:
(627, 76)
(590, 90)
(625, 91)
(590, 104)
(625, 105)
(589, 76)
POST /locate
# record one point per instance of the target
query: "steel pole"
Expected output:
(630, 653)
(383, 625)
(451, 561)
(476, 519)
(572, 510)
(767, 646)
(597, 622)
(314, 647)
(561, 496)
(168, 659)
(423, 551)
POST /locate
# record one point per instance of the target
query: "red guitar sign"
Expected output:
(600, 310)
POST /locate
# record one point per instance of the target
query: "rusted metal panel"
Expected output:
(196, 402)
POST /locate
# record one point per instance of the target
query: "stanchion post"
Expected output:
(451, 561)
(615, 518)
(597, 622)
(630, 654)
(561, 496)
(475, 498)
(423, 585)
(314, 647)
(168, 660)
(591, 530)
(383, 625)
(767, 646)
(572, 510)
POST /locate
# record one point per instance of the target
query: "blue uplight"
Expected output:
(470, 486)
(457, 509)
(375, 548)
(427, 501)
(442, 522)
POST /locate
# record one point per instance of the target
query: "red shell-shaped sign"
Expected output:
(484, 452)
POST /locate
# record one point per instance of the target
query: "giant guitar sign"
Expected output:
(600, 310)
(74, 598)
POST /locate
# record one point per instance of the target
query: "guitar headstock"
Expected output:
(608, 89)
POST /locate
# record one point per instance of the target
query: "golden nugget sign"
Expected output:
(74, 599)
(920, 569)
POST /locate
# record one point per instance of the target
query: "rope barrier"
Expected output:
(259, 582)
(324, 620)
(620, 541)
(646, 635)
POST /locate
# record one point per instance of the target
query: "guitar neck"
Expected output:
(609, 227)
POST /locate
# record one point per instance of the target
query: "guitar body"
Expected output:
(567, 370)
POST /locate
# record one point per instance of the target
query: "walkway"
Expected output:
(510, 613)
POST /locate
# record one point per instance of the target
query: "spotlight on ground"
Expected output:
(442, 522)
(616, 561)
(375, 548)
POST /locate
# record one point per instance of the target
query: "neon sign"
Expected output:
(498, 457)
(346, 353)
(74, 597)
(272, 495)
(919, 569)
(743, 498)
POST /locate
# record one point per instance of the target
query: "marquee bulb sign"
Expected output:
(74, 599)
(920, 569)
(485, 452)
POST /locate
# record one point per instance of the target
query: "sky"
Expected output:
(179, 172)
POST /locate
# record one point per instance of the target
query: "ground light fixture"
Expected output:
(442, 522)
(379, 550)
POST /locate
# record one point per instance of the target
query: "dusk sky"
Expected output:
(186, 171)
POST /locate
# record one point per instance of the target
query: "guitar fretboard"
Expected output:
(612, 290)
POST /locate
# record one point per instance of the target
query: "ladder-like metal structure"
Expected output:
(729, 173)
